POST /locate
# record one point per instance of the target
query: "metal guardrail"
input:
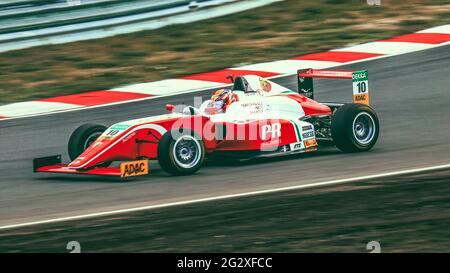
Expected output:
(62, 13)
(70, 21)
(17, 8)
(49, 22)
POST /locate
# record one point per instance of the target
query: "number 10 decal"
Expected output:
(360, 87)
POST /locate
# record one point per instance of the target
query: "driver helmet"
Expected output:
(222, 98)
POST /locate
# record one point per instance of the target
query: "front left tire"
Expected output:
(83, 137)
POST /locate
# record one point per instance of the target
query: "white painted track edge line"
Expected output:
(228, 196)
(201, 89)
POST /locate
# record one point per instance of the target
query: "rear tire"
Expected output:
(82, 138)
(355, 128)
(181, 152)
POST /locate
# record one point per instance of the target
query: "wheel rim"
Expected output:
(187, 151)
(90, 139)
(364, 128)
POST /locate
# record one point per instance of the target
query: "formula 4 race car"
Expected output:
(266, 120)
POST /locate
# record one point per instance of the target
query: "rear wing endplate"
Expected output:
(359, 78)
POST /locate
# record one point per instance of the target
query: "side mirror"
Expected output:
(170, 107)
(231, 78)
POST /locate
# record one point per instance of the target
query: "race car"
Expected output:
(265, 119)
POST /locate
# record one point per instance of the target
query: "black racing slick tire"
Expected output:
(82, 138)
(181, 152)
(354, 127)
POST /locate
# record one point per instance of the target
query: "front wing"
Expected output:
(52, 164)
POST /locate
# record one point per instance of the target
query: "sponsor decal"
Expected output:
(360, 75)
(361, 98)
(308, 134)
(310, 142)
(243, 121)
(120, 127)
(296, 146)
(285, 149)
(97, 144)
(114, 131)
(274, 130)
(305, 90)
(265, 85)
(134, 168)
(129, 137)
(254, 107)
(307, 128)
(106, 138)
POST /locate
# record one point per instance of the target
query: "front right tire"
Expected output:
(181, 152)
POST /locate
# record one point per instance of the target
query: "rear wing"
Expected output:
(359, 78)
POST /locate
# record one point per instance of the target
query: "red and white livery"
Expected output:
(265, 119)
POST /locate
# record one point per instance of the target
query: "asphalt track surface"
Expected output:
(411, 94)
